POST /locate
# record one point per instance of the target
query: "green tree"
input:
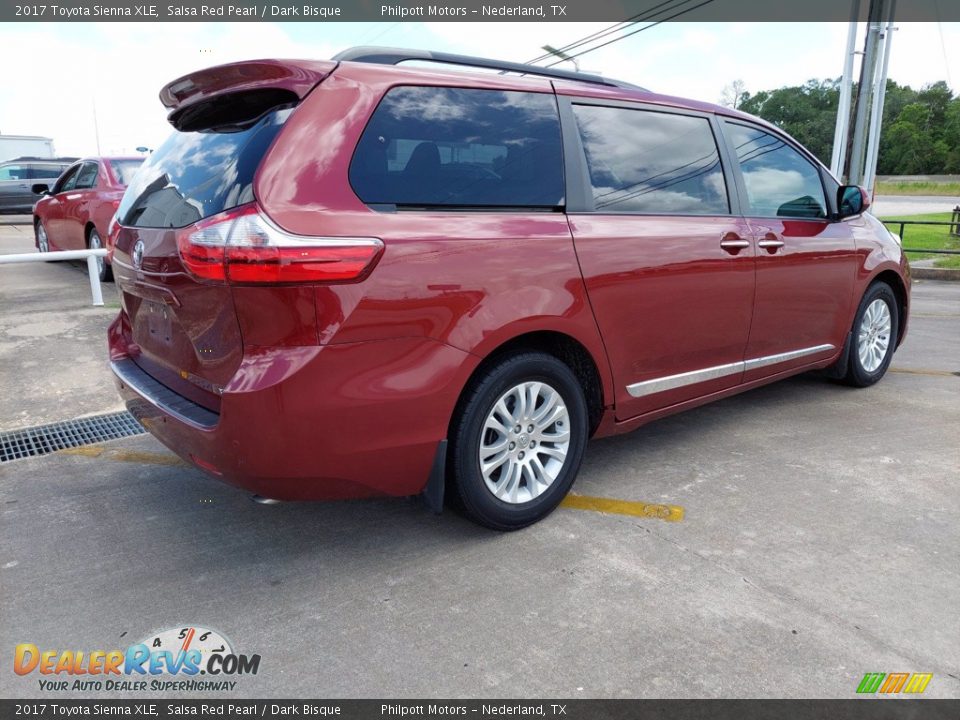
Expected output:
(808, 112)
(920, 133)
(951, 136)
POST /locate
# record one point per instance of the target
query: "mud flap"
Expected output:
(838, 370)
(433, 493)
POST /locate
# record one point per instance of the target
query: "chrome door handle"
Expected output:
(734, 244)
(770, 244)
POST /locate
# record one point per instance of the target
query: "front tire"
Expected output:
(873, 338)
(517, 441)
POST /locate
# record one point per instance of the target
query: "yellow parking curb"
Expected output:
(657, 511)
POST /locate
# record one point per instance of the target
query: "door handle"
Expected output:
(770, 242)
(733, 243)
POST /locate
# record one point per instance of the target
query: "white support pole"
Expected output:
(89, 255)
(876, 119)
(93, 271)
(841, 133)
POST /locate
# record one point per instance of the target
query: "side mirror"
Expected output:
(852, 200)
(41, 189)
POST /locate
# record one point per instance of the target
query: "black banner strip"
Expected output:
(468, 11)
(857, 709)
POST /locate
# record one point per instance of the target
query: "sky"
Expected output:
(80, 82)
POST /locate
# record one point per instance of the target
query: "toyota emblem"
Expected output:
(138, 254)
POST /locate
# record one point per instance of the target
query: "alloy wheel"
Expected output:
(524, 443)
(874, 335)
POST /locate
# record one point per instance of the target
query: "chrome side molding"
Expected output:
(649, 387)
(671, 382)
(784, 357)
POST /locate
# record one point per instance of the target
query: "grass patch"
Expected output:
(933, 237)
(897, 187)
(948, 261)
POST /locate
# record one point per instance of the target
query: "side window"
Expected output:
(87, 177)
(453, 147)
(13, 172)
(68, 181)
(651, 162)
(46, 172)
(780, 181)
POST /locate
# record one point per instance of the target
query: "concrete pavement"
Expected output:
(52, 340)
(897, 205)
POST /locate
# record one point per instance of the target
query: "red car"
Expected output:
(342, 279)
(76, 213)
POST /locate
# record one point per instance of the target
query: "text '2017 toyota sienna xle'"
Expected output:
(346, 278)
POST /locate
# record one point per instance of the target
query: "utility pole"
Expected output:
(879, 94)
(868, 75)
(96, 125)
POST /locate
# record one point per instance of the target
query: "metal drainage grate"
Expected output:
(43, 439)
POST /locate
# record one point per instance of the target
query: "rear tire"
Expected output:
(517, 441)
(94, 243)
(873, 338)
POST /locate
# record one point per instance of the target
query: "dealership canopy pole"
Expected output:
(841, 133)
(868, 74)
(879, 94)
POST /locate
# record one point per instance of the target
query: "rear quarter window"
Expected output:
(461, 148)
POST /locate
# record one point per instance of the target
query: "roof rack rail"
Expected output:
(395, 56)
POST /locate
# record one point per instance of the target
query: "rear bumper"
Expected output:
(313, 423)
(161, 398)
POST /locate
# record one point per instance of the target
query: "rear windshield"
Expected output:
(194, 175)
(125, 169)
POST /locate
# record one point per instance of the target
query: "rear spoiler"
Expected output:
(239, 92)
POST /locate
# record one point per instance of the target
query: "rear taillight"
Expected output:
(242, 246)
(113, 230)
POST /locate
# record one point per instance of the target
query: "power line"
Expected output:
(634, 32)
(606, 31)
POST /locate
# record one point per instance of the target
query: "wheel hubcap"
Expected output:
(42, 238)
(874, 335)
(524, 442)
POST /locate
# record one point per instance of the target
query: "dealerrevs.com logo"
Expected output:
(170, 660)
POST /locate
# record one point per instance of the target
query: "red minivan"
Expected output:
(347, 278)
